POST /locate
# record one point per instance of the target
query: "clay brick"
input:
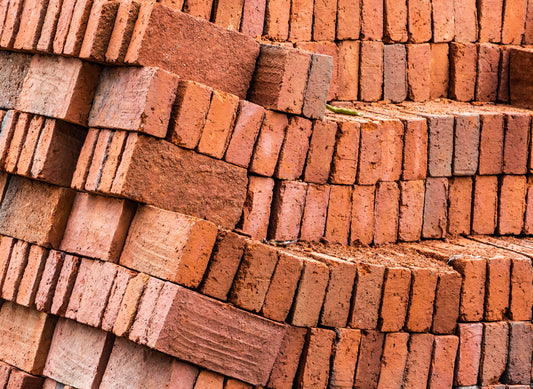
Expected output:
(84, 272)
(25, 158)
(419, 21)
(84, 162)
(415, 153)
(118, 290)
(459, 205)
(169, 245)
(324, 20)
(183, 374)
(348, 70)
(440, 148)
(35, 212)
(11, 23)
(228, 14)
(395, 21)
(521, 289)
(511, 205)
(491, 144)
(370, 69)
(515, 150)
(311, 292)
(283, 284)
(235, 384)
(447, 300)
(411, 210)
(497, 288)
(61, 88)
(362, 219)
(466, 149)
(301, 21)
(32, 18)
(287, 210)
(395, 299)
(76, 29)
(186, 182)
(286, 364)
(208, 379)
(339, 215)
(439, 70)
(186, 320)
(256, 209)
(528, 31)
(140, 329)
(465, 15)
(422, 298)
(473, 270)
(129, 304)
(443, 362)
(65, 284)
(78, 354)
(393, 360)
(49, 27)
(253, 17)
(435, 208)
(199, 8)
(314, 368)
(346, 154)
(463, 64)
(371, 20)
(345, 352)
(253, 277)
(122, 31)
(269, 142)
(528, 219)
(32, 276)
(280, 79)
(218, 124)
(315, 212)
(49, 279)
(294, 149)
(15, 270)
(493, 352)
(505, 74)
(320, 152)
(386, 212)
(490, 20)
(367, 296)
(223, 266)
(484, 210)
(216, 50)
(348, 19)
(98, 158)
(395, 72)
(100, 24)
(30, 331)
(469, 354)
(108, 167)
(17, 141)
(514, 17)
(370, 154)
(277, 17)
(6, 247)
(369, 365)
(247, 126)
(321, 83)
(487, 77)
(15, 67)
(443, 21)
(518, 369)
(418, 361)
(19, 379)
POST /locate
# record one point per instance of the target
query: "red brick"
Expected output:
(16, 67)
(228, 14)
(440, 148)
(411, 210)
(518, 369)
(505, 74)
(463, 71)
(15, 270)
(465, 15)
(469, 354)
(245, 132)
(371, 20)
(84, 162)
(491, 144)
(459, 205)
(339, 215)
(122, 31)
(253, 17)
(235, 384)
(19, 379)
(277, 20)
(78, 354)
(11, 23)
(439, 70)
(528, 219)
(32, 276)
(466, 149)
(346, 154)
(344, 358)
(497, 288)
(108, 168)
(369, 365)
(115, 298)
(256, 210)
(348, 19)
(473, 271)
(490, 20)
(348, 70)
(278, 299)
(25, 337)
(515, 150)
(443, 362)
(218, 124)
(268, 145)
(514, 17)
(362, 219)
(311, 291)
(395, 72)
(287, 210)
(199, 8)
(415, 149)
(422, 298)
(17, 142)
(48, 29)
(25, 158)
(370, 153)
(395, 21)
(47, 286)
(100, 24)
(419, 21)
(315, 212)
(370, 69)
(484, 210)
(140, 329)
(286, 364)
(77, 26)
(60, 88)
(294, 149)
(393, 360)
(32, 18)
(493, 352)
(178, 249)
(435, 212)
(301, 21)
(447, 300)
(528, 29)
(392, 149)
(208, 379)
(395, 299)
(418, 361)
(94, 171)
(324, 20)
(521, 289)
(367, 296)
(84, 272)
(320, 152)
(386, 213)
(511, 205)
(443, 21)
(314, 368)
(203, 56)
(487, 78)
(129, 304)
(65, 284)
(6, 247)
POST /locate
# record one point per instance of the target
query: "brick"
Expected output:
(78, 354)
(393, 360)
(61, 88)
(528, 219)
(166, 29)
(269, 142)
(521, 289)
(465, 21)
(301, 21)
(422, 298)
(440, 148)
(415, 153)
(6, 247)
(32, 18)
(228, 14)
(16, 67)
(469, 354)
(443, 21)
(488, 66)
(253, 17)
(77, 28)
(245, 132)
(491, 144)
(98, 158)
(348, 70)
(466, 149)
(116, 295)
(443, 362)
(108, 167)
(419, 21)
(439, 70)
(395, 299)
(435, 208)
(345, 352)
(447, 301)
(235, 384)
(324, 74)
(315, 212)
(65, 284)
(32, 276)
(473, 270)
(294, 149)
(199, 8)
(11, 23)
(9, 122)
(287, 210)
(84, 162)
(371, 20)
(346, 154)
(49, 279)
(463, 64)
(362, 219)
(100, 24)
(19, 379)
(48, 30)
(513, 27)
(515, 149)
(277, 17)
(411, 210)
(35, 212)
(278, 299)
(511, 205)
(218, 124)
(30, 331)
(490, 20)
(484, 210)
(368, 366)
(324, 21)
(493, 352)
(128, 306)
(418, 361)
(211, 189)
(386, 213)
(286, 364)
(320, 152)
(15, 270)
(370, 154)
(395, 72)
(459, 205)
(305, 311)
(17, 142)
(518, 369)
(84, 273)
(367, 296)
(140, 329)
(348, 19)
(339, 215)
(314, 369)
(27, 150)
(208, 379)
(505, 74)
(256, 209)
(178, 249)
(122, 31)
(497, 288)
(528, 29)
(370, 69)
(395, 21)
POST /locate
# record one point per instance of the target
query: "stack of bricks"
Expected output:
(177, 210)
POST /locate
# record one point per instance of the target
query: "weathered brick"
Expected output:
(418, 361)
(294, 149)
(411, 210)
(393, 360)
(521, 289)
(286, 364)
(339, 215)
(463, 64)
(320, 154)
(16, 67)
(371, 20)
(443, 21)
(487, 73)
(32, 276)
(268, 145)
(368, 364)
(497, 289)
(395, 299)
(493, 352)
(362, 220)
(257, 206)
(346, 154)
(465, 16)
(314, 369)
(367, 296)
(518, 369)
(315, 212)
(511, 205)
(443, 362)
(52, 269)
(490, 20)
(395, 71)
(474, 270)
(395, 21)
(370, 69)
(287, 210)
(469, 354)
(447, 302)
(435, 208)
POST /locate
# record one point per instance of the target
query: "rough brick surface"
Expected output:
(367, 296)
(314, 371)
(469, 354)
(393, 360)
(346, 350)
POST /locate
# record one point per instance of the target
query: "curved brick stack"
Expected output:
(178, 210)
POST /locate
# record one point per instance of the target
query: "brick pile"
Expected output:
(178, 210)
